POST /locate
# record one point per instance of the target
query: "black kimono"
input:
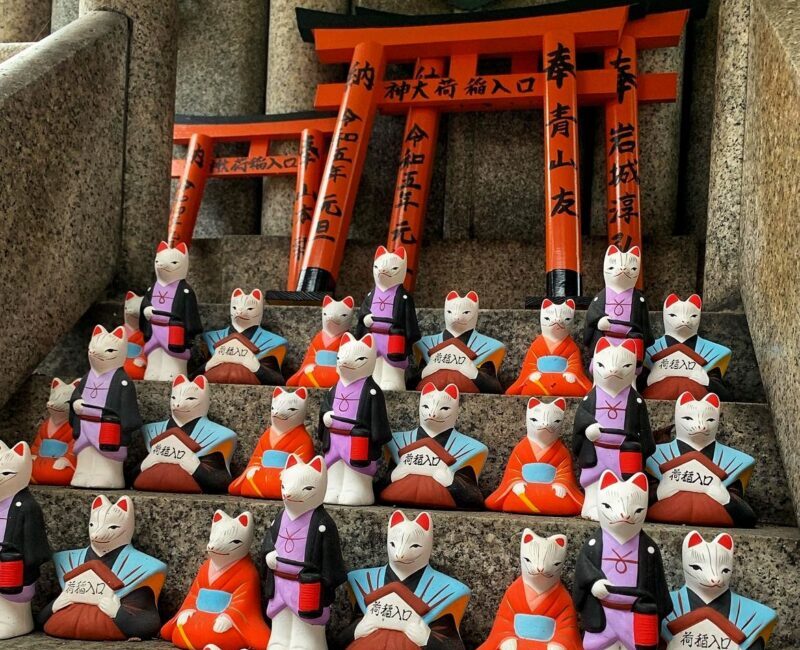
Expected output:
(639, 315)
(404, 317)
(185, 314)
(25, 533)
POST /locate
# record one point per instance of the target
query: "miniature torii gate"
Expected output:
(447, 79)
(201, 134)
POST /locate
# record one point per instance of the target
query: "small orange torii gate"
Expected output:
(200, 134)
(543, 74)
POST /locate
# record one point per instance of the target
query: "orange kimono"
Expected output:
(236, 592)
(521, 602)
(539, 469)
(552, 363)
(135, 351)
(269, 458)
(322, 355)
(48, 449)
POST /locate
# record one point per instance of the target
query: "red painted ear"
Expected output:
(452, 390)
(561, 403)
(630, 345)
(302, 393)
(381, 251)
(178, 380)
(97, 330)
(696, 300)
(200, 381)
(237, 292)
(277, 391)
(349, 302)
(327, 300)
(56, 382)
(183, 248)
(452, 296)
(527, 538)
(602, 344)
(640, 481)
(162, 247)
(725, 541)
(685, 398)
(76, 383)
(571, 304)
(428, 388)
(612, 250)
(533, 402)
(546, 303)
(608, 478)
(97, 503)
(635, 251)
(713, 399)
(316, 463)
(473, 296)
(19, 449)
(244, 519)
(130, 295)
(217, 516)
(367, 340)
(671, 300)
(400, 252)
(256, 293)
(122, 504)
(561, 541)
(119, 332)
(291, 461)
(695, 538)
(397, 518)
(424, 520)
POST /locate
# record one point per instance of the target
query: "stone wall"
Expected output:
(770, 229)
(62, 105)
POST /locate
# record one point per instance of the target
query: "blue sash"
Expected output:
(134, 350)
(538, 473)
(51, 448)
(274, 458)
(532, 627)
(551, 364)
(213, 601)
(325, 358)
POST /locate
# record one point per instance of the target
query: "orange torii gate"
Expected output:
(543, 74)
(200, 134)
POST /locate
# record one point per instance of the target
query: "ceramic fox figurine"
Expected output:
(620, 590)
(536, 612)
(23, 541)
(435, 465)
(52, 449)
(460, 354)
(109, 590)
(244, 352)
(169, 317)
(188, 452)
(104, 412)
(222, 610)
(318, 368)
(681, 360)
(612, 427)
(619, 312)
(136, 361)
(388, 313)
(353, 424)
(406, 603)
(700, 481)
(286, 435)
(539, 477)
(304, 560)
(705, 611)
(553, 363)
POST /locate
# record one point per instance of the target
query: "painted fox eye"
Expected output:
(638, 511)
(113, 527)
(308, 488)
(695, 567)
(391, 544)
(599, 365)
(557, 563)
(607, 506)
(726, 570)
(236, 541)
(416, 546)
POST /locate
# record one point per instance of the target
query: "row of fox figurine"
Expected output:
(162, 325)
(109, 590)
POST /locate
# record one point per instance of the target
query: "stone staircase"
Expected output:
(479, 548)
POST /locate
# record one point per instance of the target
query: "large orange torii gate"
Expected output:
(543, 74)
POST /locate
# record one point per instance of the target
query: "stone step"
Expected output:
(497, 421)
(502, 272)
(516, 328)
(480, 549)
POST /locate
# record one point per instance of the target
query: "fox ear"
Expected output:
(400, 251)
(162, 247)
(292, 461)
(696, 300)
(693, 539)
(571, 304)
(327, 300)
(713, 399)
(56, 382)
(349, 302)
(452, 390)
(98, 502)
(119, 332)
(527, 536)
(630, 345)
(302, 393)
(602, 344)
(183, 248)
(561, 403)
(546, 303)
(424, 520)
(428, 388)
(561, 540)
(256, 293)
(532, 402)
(397, 518)
(124, 503)
(244, 518)
(640, 481)
(671, 300)
(473, 296)
(316, 463)
(367, 340)
(20, 448)
(237, 292)
(381, 250)
(217, 516)
(635, 251)
(130, 295)
(277, 391)
(452, 296)
(612, 250)
(608, 478)
(685, 398)
(200, 381)
(178, 380)
(98, 329)
(725, 541)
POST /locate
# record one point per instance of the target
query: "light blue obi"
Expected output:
(551, 364)
(52, 448)
(538, 473)
(273, 458)
(213, 601)
(325, 358)
(134, 350)
(531, 627)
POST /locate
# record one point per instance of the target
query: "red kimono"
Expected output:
(539, 469)
(519, 600)
(240, 586)
(552, 363)
(47, 449)
(136, 344)
(269, 457)
(322, 356)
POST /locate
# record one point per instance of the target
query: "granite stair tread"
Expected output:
(479, 548)
(496, 420)
(516, 328)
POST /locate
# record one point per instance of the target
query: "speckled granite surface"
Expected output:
(148, 141)
(24, 20)
(771, 257)
(721, 280)
(7, 50)
(64, 12)
(482, 550)
(60, 199)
